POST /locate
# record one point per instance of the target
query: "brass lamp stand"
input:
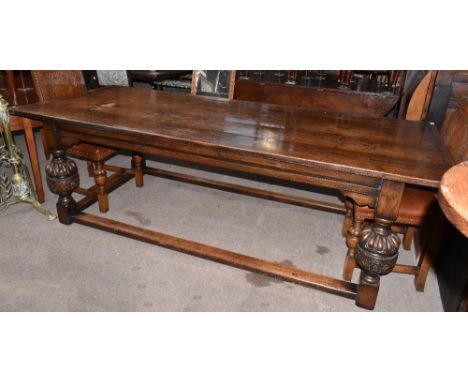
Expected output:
(19, 188)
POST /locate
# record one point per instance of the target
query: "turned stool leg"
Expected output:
(348, 220)
(90, 167)
(351, 241)
(63, 179)
(100, 179)
(138, 163)
(408, 237)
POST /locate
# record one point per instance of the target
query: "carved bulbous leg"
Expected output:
(62, 179)
(376, 254)
(138, 163)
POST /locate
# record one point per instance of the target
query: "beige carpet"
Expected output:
(46, 266)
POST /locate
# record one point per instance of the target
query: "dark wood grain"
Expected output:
(373, 147)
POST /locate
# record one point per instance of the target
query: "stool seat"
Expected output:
(415, 205)
(91, 152)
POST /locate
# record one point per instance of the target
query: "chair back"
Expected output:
(16, 87)
(57, 84)
(421, 97)
(455, 133)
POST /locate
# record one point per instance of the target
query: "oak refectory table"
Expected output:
(367, 159)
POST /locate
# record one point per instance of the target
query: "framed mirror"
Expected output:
(214, 83)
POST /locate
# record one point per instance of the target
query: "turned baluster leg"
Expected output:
(138, 163)
(377, 250)
(62, 179)
(100, 179)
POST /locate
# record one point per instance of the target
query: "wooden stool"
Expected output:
(95, 157)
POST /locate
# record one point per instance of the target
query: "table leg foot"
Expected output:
(368, 290)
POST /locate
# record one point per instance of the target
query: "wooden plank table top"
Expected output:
(385, 148)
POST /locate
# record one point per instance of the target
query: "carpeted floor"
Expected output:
(46, 266)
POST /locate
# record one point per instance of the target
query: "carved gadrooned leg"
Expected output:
(138, 163)
(100, 178)
(376, 254)
(62, 179)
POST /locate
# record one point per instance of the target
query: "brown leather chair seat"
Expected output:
(415, 205)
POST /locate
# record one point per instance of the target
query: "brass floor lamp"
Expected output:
(18, 188)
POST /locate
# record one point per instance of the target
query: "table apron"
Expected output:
(217, 157)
